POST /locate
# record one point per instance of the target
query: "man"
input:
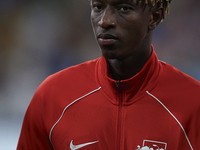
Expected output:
(125, 100)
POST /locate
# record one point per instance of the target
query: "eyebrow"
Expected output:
(129, 1)
(134, 2)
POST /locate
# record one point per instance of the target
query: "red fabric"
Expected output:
(128, 117)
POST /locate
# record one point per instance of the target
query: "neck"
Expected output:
(128, 67)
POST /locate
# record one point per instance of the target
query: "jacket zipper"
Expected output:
(119, 139)
(118, 83)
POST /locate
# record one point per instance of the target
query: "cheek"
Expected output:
(137, 21)
(94, 20)
(94, 24)
(134, 33)
(138, 30)
(133, 25)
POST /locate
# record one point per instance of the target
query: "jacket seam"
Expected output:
(173, 117)
(50, 133)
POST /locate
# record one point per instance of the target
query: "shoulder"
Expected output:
(179, 93)
(60, 89)
(176, 86)
(78, 74)
(173, 76)
(67, 85)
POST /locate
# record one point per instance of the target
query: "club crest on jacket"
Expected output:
(152, 145)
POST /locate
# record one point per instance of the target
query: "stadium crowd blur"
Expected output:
(41, 37)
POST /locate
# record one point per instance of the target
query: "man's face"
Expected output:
(120, 26)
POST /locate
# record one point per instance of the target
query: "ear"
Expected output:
(156, 18)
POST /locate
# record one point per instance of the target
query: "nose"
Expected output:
(107, 19)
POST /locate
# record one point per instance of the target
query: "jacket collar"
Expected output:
(134, 87)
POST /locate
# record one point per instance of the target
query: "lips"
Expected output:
(106, 39)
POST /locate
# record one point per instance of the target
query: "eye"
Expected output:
(97, 6)
(125, 8)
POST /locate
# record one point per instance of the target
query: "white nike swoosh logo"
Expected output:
(74, 147)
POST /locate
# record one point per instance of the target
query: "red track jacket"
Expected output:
(81, 107)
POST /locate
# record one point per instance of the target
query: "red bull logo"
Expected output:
(152, 145)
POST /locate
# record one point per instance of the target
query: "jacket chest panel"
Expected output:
(122, 127)
(91, 119)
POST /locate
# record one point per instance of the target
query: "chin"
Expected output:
(112, 52)
(111, 55)
(108, 54)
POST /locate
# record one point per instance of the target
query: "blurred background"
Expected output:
(41, 37)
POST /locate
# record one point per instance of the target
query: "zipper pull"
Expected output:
(118, 83)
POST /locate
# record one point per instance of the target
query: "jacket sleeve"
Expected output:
(34, 135)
